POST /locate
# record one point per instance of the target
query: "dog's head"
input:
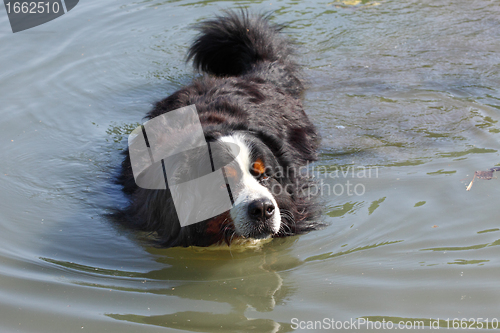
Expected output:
(260, 177)
(256, 212)
(263, 183)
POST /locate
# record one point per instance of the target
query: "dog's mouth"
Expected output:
(259, 220)
(260, 214)
(261, 230)
(255, 214)
(262, 235)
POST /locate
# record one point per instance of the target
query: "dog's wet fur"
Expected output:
(250, 96)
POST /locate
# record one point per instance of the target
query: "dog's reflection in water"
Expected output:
(247, 280)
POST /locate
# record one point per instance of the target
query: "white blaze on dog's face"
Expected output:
(255, 213)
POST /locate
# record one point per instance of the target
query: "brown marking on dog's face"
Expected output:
(220, 228)
(231, 172)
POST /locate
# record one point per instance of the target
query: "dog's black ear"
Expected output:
(304, 141)
(266, 136)
(280, 148)
(297, 145)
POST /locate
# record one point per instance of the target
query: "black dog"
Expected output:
(252, 99)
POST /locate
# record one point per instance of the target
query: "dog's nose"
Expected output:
(261, 209)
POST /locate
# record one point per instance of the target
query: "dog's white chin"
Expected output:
(238, 244)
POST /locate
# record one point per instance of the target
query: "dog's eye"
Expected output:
(258, 168)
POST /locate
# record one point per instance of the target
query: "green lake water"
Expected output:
(406, 96)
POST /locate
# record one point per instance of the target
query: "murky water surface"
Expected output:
(406, 90)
